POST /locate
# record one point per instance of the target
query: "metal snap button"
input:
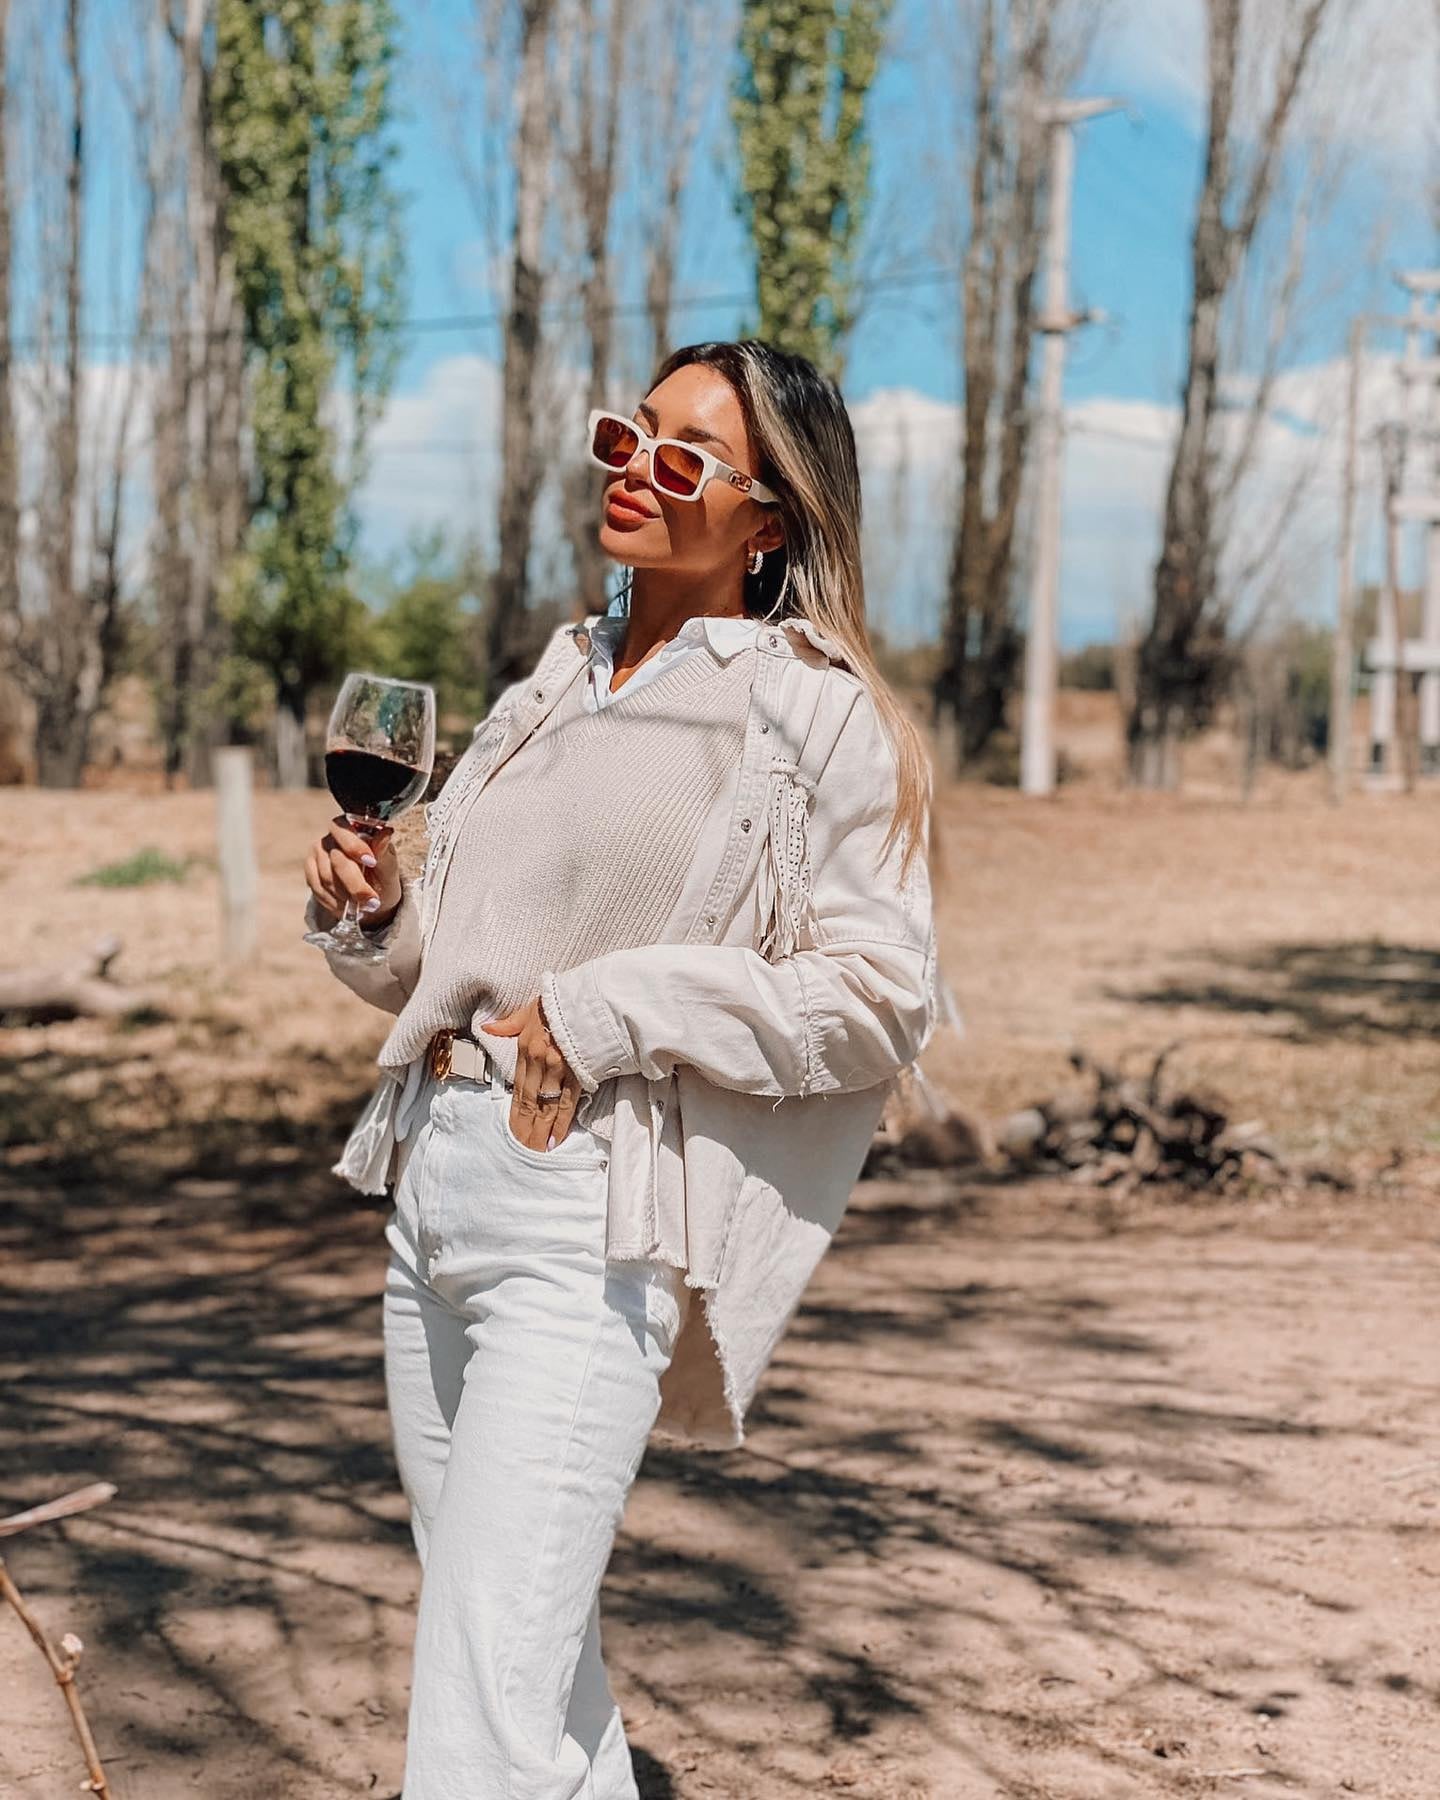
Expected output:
(744, 824)
(764, 728)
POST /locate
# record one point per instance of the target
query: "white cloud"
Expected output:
(434, 457)
(436, 462)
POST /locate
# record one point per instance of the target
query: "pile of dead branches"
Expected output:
(1118, 1132)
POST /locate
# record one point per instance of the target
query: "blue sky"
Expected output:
(1135, 184)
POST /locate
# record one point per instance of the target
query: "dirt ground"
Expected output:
(1046, 1495)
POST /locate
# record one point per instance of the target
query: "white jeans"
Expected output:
(523, 1373)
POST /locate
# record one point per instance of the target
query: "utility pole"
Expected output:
(1393, 656)
(1391, 709)
(1425, 374)
(1042, 638)
(1342, 666)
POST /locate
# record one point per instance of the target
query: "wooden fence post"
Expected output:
(239, 871)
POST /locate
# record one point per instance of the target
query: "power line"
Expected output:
(571, 312)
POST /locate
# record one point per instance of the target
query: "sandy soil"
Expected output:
(1045, 1495)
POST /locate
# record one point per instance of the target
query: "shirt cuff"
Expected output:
(584, 1027)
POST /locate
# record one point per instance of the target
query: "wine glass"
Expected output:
(379, 754)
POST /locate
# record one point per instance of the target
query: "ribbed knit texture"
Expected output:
(578, 845)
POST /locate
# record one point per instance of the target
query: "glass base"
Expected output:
(345, 938)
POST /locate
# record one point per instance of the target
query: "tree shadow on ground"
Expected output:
(860, 1471)
(198, 1322)
(190, 1311)
(1364, 989)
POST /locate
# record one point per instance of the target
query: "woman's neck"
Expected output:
(660, 604)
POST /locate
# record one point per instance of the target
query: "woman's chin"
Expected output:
(627, 546)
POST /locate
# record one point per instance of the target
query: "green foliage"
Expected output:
(301, 114)
(1309, 686)
(147, 865)
(1284, 687)
(1090, 670)
(806, 70)
(423, 626)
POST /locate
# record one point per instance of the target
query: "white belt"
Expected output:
(448, 1057)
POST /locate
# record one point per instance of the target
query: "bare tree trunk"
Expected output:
(1184, 659)
(520, 473)
(592, 185)
(69, 649)
(75, 679)
(672, 99)
(170, 563)
(12, 761)
(226, 500)
(201, 502)
(1006, 193)
(213, 393)
(1175, 680)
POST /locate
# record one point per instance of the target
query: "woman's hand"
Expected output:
(546, 1091)
(343, 866)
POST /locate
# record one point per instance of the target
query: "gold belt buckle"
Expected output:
(440, 1054)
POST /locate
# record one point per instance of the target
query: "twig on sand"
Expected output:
(80, 1501)
(64, 1659)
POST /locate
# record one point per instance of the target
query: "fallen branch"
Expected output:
(63, 1508)
(70, 990)
(65, 1659)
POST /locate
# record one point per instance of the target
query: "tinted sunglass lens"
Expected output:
(615, 442)
(677, 469)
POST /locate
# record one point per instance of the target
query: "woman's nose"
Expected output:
(633, 467)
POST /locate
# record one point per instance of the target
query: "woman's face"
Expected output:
(648, 529)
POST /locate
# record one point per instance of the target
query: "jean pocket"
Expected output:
(580, 1149)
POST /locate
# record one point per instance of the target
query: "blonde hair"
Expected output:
(806, 445)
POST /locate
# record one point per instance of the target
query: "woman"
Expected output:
(671, 947)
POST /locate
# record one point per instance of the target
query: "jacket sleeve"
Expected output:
(388, 984)
(843, 1015)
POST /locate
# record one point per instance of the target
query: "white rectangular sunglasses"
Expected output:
(679, 470)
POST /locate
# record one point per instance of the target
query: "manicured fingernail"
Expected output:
(370, 906)
(367, 861)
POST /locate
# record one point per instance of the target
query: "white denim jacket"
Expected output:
(750, 1052)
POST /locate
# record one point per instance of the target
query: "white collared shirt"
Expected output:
(723, 636)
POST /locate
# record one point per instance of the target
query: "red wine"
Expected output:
(370, 786)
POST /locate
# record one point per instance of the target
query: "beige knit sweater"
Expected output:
(577, 846)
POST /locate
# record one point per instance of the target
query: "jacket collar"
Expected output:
(725, 637)
(779, 639)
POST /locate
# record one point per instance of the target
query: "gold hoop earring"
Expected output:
(755, 561)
